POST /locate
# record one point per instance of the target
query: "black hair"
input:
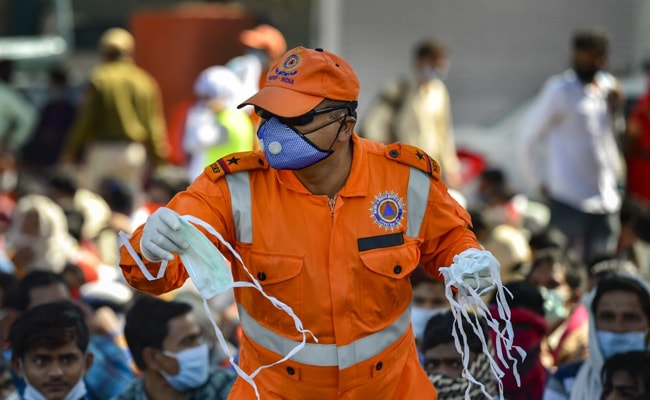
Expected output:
(48, 325)
(548, 238)
(524, 295)
(147, 324)
(33, 280)
(117, 194)
(591, 40)
(420, 275)
(439, 327)
(635, 363)
(8, 286)
(622, 283)
(429, 48)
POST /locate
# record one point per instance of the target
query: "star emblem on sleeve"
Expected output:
(233, 160)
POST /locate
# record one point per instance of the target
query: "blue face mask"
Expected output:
(194, 366)
(286, 148)
(615, 343)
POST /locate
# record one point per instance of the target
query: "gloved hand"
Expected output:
(161, 236)
(475, 268)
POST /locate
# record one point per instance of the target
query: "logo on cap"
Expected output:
(387, 210)
(288, 65)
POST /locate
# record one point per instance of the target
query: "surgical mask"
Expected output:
(555, 308)
(77, 392)
(209, 271)
(611, 343)
(419, 318)
(286, 148)
(193, 365)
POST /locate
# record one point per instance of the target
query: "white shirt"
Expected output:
(572, 124)
(17, 118)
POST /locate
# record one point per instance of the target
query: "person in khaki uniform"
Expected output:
(327, 222)
(120, 128)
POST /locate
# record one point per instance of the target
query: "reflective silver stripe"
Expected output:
(326, 355)
(240, 198)
(416, 201)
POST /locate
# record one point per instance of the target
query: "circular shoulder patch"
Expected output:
(387, 211)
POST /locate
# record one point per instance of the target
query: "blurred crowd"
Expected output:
(73, 174)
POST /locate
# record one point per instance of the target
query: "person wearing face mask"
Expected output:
(619, 322)
(417, 110)
(49, 351)
(444, 364)
(167, 345)
(569, 154)
(330, 224)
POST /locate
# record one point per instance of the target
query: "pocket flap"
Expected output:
(393, 262)
(269, 268)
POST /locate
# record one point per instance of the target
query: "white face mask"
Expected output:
(419, 318)
(77, 392)
(193, 368)
(210, 273)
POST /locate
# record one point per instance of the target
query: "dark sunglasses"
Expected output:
(305, 118)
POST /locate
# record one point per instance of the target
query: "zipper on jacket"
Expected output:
(332, 204)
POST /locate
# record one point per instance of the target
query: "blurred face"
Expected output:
(622, 386)
(620, 312)
(430, 295)
(550, 275)
(184, 333)
(444, 359)
(6, 385)
(586, 64)
(53, 372)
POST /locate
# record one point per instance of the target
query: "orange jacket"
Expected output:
(342, 264)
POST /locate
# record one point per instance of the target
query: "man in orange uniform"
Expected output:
(330, 224)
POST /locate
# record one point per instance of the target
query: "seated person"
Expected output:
(168, 347)
(49, 350)
(530, 327)
(619, 319)
(444, 364)
(111, 371)
(626, 376)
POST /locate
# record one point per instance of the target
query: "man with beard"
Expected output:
(572, 122)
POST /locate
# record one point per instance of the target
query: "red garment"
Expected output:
(638, 165)
(530, 329)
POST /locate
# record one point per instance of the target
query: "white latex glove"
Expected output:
(474, 268)
(161, 236)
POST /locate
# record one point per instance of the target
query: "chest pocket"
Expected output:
(280, 275)
(384, 285)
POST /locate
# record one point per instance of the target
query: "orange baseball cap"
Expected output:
(302, 79)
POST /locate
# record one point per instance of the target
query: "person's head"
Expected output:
(605, 265)
(626, 376)
(219, 86)
(165, 338)
(40, 287)
(115, 44)
(266, 39)
(308, 109)
(165, 183)
(444, 364)
(117, 194)
(549, 238)
(621, 311)
(430, 59)
(49, 344)
(440, 354)
(590, 49)
(493, 187)
(428, 299)
(7, 386)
